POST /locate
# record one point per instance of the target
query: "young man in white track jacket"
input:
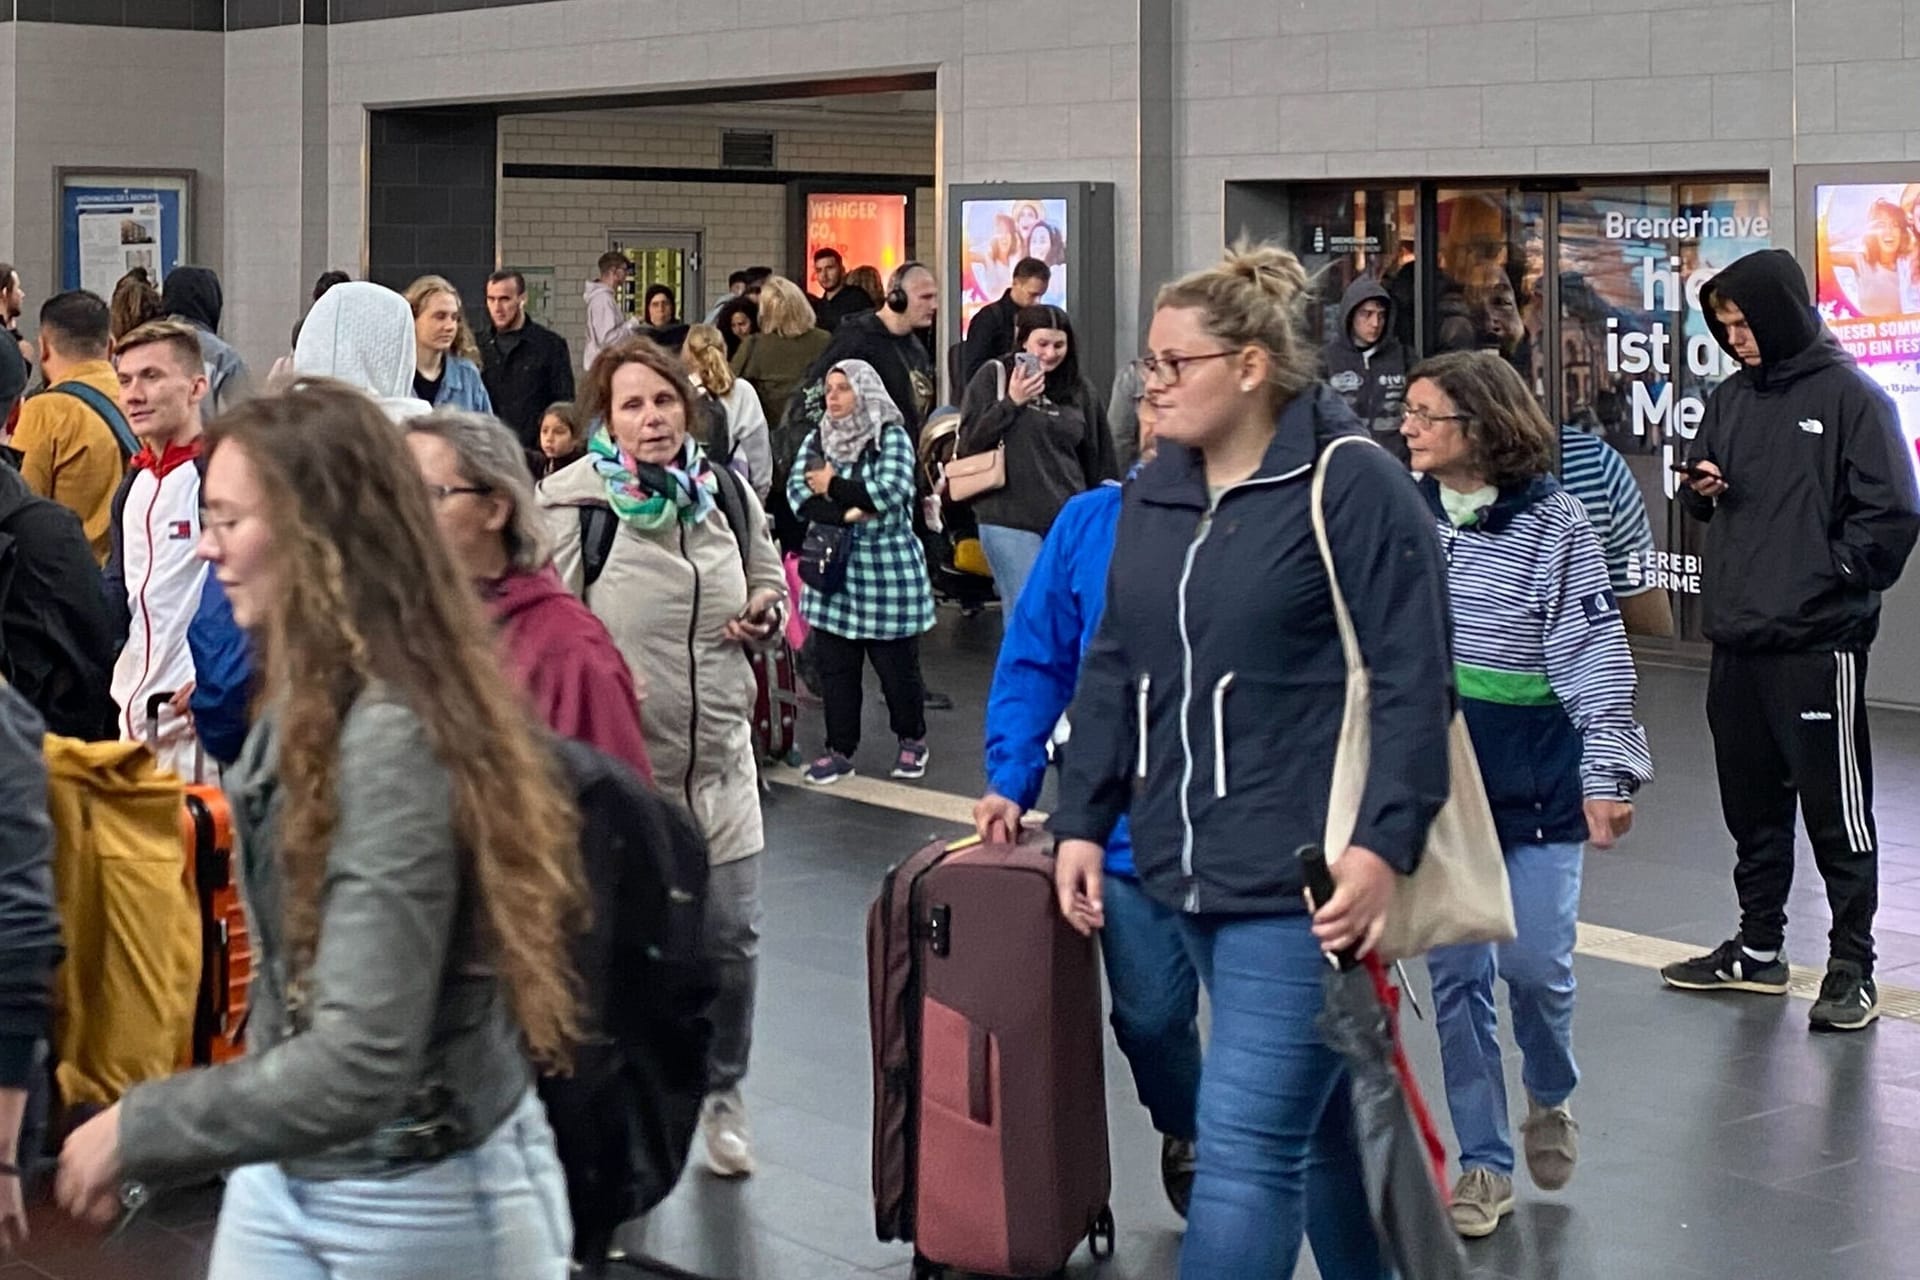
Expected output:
(155, 571)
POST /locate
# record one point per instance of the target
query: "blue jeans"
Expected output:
(733, 947)
(1156, 1000)
(1538, 967)
(496, 1212)
(1277, 1150)
(1010, 554)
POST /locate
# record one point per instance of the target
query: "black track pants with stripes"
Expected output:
(1787, 726)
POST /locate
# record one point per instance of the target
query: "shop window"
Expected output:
(1490, 263)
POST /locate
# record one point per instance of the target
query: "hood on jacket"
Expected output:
(520, 591)
(193, 293)
(593, 287)
(362, 334)
(1365, 289)
(1771, 291)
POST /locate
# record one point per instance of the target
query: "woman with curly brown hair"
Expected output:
(412, 876)
(135, 301)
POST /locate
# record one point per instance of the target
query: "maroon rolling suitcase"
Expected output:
(990, 1113)
(776, 704)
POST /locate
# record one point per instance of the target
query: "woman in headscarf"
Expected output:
(684, 576)
(854, 473)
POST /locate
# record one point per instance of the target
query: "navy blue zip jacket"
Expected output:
(1210, 701)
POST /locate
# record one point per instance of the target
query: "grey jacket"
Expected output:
(400, 1000)
(29, 928)
(228, 382)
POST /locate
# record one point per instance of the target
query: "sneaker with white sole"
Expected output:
(829, 769)
(1728, 967)
(1848, 999)
(723, 1123)
(912, 762)
(1480, 1199)
(1552, 1139)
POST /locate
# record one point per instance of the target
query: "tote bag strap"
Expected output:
(1342, 617)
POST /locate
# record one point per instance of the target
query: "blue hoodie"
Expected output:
(1041, 648)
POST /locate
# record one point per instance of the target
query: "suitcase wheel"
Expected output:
(1100, 1235)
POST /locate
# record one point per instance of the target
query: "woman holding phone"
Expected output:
(683, 593)
(1053, 427)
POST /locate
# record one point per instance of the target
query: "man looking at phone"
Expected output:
(1802, 474)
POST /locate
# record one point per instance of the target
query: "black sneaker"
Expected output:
(1729, 968)
(936, 701)
(1848, 999)
(1177, 1162)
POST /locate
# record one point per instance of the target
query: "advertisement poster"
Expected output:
(995, 235)
(111, 230)
(1867, 285)
(868, 230)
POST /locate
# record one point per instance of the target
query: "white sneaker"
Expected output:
(723, 1123)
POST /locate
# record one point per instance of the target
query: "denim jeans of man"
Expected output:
(1010, 554)
(733, 944)
(1538, 968)
(495, 1212)
(1276, 1144)
(1156, 1003)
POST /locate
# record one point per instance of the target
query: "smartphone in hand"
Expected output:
(1025, 362)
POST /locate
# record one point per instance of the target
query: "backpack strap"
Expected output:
(732, 501)
(106, 410)
(598, 525)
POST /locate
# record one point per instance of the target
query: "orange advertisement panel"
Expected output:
(868, 230)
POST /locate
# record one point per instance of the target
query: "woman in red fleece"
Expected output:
(551, 644)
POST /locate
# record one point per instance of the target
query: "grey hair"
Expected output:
(490, 455)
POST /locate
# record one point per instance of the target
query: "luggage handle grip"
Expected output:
(155, 701)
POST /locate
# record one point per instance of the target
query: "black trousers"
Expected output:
(1790, 726)
(842, 668)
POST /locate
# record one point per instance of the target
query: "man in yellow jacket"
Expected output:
(69, 436)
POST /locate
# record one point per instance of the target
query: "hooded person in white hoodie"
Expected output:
(361, 333)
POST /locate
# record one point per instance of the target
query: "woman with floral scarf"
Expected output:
(682, 595)
(855, 473)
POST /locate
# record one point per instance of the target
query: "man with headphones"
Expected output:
(889, 340)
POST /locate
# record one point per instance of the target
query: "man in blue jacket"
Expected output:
(1155, 989)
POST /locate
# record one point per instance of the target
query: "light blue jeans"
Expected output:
(1010, 554)
(1277, 1152)
(496, 1212)
(1156, 1001)
(1538, 967)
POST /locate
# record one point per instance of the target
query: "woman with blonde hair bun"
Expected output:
(747, 449)
(1209, 706)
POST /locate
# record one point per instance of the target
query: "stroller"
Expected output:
(956, 564)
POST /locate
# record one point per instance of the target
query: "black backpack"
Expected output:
(624, 1119)
(598, 525)
(717, 434)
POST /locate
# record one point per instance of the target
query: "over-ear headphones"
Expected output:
(896, 288)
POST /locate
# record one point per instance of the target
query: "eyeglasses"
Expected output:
(1166, 369)
(1413, 413)
(441, 492)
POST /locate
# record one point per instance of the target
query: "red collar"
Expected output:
(174, 456)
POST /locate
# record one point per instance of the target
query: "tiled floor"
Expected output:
(1719, 1138)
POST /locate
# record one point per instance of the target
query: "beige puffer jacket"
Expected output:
(667, 598)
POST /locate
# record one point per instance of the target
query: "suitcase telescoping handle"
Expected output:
(156, 701)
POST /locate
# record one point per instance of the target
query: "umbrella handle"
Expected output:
(1317, 872)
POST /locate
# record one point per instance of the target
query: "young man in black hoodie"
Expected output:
(1366, 364)
(1803, 474)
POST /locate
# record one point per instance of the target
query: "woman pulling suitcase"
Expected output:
(411, 867)
(1208, 710)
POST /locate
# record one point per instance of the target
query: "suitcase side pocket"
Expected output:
(963, 1196)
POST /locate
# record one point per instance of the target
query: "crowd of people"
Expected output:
(372, 586)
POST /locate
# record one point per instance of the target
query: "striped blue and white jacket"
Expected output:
(1542, 663)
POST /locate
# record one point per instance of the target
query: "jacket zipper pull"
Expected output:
(1140, 714)
(1220, 689)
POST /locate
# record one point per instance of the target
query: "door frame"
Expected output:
(692, 293)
